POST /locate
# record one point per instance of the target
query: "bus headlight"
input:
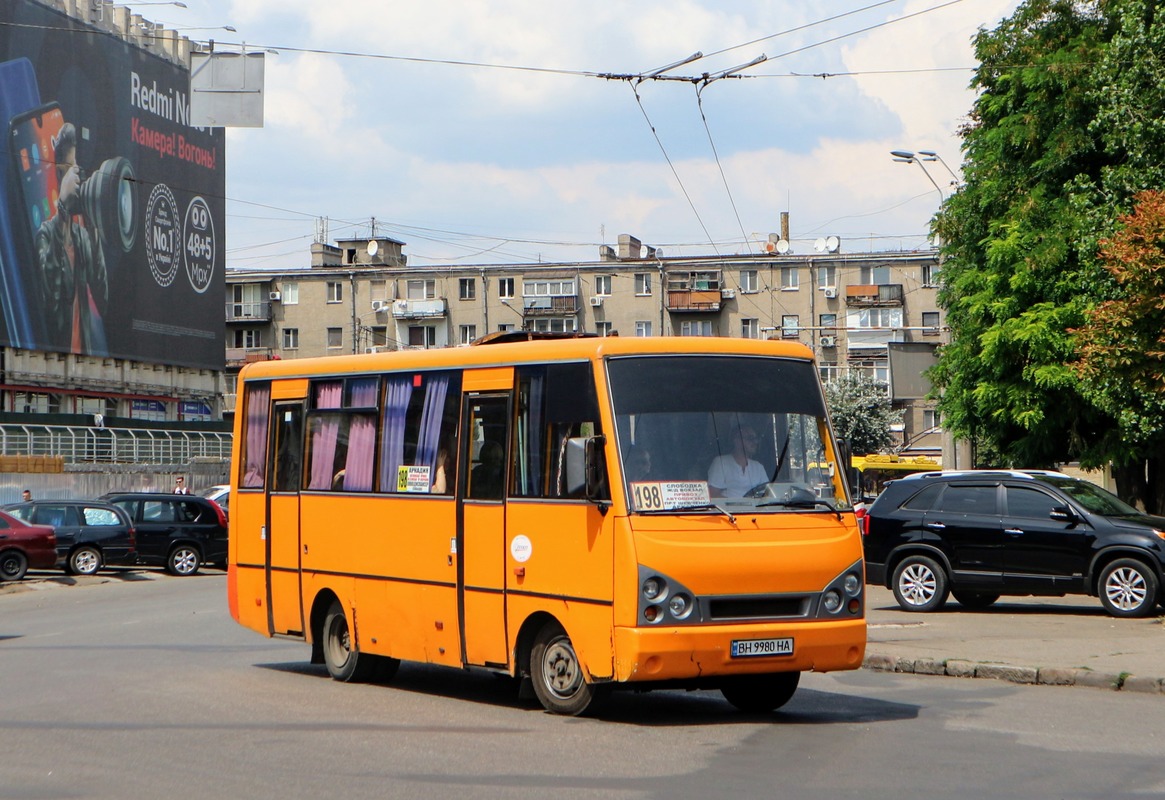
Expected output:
(852, 584)
(831, 600)
(654, 589)
(680, 606)
(653, 613)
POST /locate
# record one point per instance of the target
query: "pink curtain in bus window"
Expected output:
(255, 459)
(397, 393)
(361, 446)
(436, 387)
(362, 393)
(325, 435)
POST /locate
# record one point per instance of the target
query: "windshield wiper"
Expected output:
(802, 504)
(699, 507)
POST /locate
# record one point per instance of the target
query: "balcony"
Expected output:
(695, 292)
(249, 312)
(554, 306)
(418, 309)
(871, 294)
(239, 356)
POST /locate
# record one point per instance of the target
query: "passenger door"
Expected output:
(283, 555)
(1043, 554)
(965, 524)
(481, 517)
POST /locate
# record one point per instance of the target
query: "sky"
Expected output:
(501, 132)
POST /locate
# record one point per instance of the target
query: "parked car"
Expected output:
(981, 534)
(90, 534)
(219, 493)
(178, 531)
(23, 546)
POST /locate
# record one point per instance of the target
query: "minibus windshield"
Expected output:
(720, 433)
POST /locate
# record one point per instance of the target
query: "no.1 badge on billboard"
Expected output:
(163, 233)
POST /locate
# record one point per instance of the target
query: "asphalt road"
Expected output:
(144, 687)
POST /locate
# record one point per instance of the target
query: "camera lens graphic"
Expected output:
(108, 198)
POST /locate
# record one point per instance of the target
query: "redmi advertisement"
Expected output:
(112, 238)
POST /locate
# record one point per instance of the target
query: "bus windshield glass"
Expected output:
(724, 434)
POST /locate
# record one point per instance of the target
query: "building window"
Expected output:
(603, 328)
(335, 338)
(790, 326)
(468, 287)
(560, 288)
(828, 322)
(696, 327)
(876, 318)
(421, 289)
(468, 333)
(377, 291)
(249, 338)
(290, 294)
(826, 276)
(422, 336)
(930, 323)
(506, 287)
(291, 338)
(643, 328)
(748, 281)
(930, 273)
(378, 335)
(875, 275)
(603, 285)
(790, 278)
(931, 419)
(506, 327)
(750, 328)
(554, 324)
(642, 285)
(335, 292)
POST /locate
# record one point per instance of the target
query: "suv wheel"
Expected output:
(84, 561)
(920, 584)
(183, 560)
(1128, 588)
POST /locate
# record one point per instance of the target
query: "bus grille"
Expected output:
(758, 607)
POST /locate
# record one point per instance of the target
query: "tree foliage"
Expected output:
(1069, 124)
(861, 412)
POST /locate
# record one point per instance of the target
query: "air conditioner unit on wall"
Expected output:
(275, 297)
(830, 292)
(380, 305)
(828, 341)
(596, 301)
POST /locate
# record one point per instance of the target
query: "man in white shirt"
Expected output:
(732, 475)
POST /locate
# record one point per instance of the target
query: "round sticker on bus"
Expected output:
(521, 549)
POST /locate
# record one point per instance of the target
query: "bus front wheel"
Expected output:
(757, 694)
(557, 674)
(344, 662)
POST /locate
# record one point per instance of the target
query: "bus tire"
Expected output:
(760, 694)
(557, 674)
(344, 663)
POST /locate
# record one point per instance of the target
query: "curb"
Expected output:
(1045, 676)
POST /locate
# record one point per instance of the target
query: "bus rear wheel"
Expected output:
(758, 694)
(345, 663)
(557, 674)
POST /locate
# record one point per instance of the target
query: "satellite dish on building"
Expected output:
(782, 246)
(819, 245)
(832, 243)
(373, 247)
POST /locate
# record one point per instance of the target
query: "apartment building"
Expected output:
(873, 312)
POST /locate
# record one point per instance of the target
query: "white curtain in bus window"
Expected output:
(254, 459)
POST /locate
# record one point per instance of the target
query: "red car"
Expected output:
(23, 546)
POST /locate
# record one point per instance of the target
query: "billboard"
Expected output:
(112, 208)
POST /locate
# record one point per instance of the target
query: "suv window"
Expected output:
(100, 516)
(924, 499)
(55, 516)
(187, 511)
(157, 511)
(1030, 503)
(968, 500)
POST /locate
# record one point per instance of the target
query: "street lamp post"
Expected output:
(907, 157)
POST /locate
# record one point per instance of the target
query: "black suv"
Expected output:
(980, 534)
(90, 534)
(177, 531)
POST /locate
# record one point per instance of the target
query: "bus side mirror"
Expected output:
(586, 468)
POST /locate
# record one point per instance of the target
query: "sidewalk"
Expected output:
(1048, 640)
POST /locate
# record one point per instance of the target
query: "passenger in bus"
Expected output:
(639, 464)
(733, 474)
(440, 484)
(487, 480)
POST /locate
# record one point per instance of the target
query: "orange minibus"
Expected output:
(578, 512)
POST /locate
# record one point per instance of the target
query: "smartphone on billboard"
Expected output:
(18, 94)
(31, 143)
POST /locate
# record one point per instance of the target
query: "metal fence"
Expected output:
(87, 445)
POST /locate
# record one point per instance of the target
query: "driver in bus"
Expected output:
(733, 474)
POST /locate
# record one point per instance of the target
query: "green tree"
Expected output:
(861, 412)
(1068, 125)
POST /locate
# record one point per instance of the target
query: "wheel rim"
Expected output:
(85, 562)
(338, 643)
(184, 561)
(1126, 589)
(917, 584)
(10, 566)
(560, 669)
